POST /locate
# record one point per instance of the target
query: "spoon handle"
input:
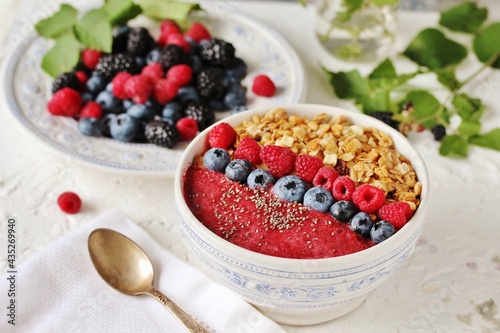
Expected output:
(189, 323)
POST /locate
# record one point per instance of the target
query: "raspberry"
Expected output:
(169, 26)
(197, 32)
(343, 188)
(90, 58)
(138, 88)
(279, 160)
(119, 82)
(396, 213)
(179, 40)
(180, 74)
(69, 202)
(187, 128)
(82, 77)
(154, 70)
(165, 91)
(222, 136)
(368, 198)
(263, 86)
(91, 110)
(306, 166)
(325, 177)
(249, 150)
(65, 102)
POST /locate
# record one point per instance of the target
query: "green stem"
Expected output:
(479, 71)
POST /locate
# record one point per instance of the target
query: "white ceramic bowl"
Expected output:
(302, 291)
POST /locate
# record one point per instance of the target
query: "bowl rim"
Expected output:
(358, 258)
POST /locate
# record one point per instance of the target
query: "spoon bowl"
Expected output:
(127, 268)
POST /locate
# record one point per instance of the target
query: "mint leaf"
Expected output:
(469, 128)
(166, 9)
(432, 49)
(353, 5)
(454, 146)
(384, 70)
(448, 79)
(486, 45)
(488, 140)
(384, 2)
(120, 12)
(63, 56)
(466, 17)
(349, 84)
(59, 23)
(468, 108)
(377, 101)
(426, 107)
(94, 31)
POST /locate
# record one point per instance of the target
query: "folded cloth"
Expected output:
(58, 290)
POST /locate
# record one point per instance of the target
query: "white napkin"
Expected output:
(58, 290)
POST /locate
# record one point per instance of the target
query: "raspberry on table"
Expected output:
(248, 149)
(396, 213)
(307, 166)
(179, 40)
(90, 58)
(66, 80)
(164, 91)
(343, 188)
(198, 32)
(263, 86)
(222, 136)
(368, 198)
(153, 70)
(91, 110)
(325, 177)
(161, 133)
(69, 202)
(65, 102)
(138, 88)
(187, 128)
(169, 26)
(119, 82)
(180, 74)
(278, 160)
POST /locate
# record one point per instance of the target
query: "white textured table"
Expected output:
(450, 284)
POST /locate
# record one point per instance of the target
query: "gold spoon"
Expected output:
(128, 269)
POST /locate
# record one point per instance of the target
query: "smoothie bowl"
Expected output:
(301, 210)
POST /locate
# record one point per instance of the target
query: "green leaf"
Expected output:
(120, 12)
(426, 107)
(167, 9)
(432, 49)
(384, 2)
(384, 70)
(303, 2)
(486, 45)
(94, 31)
(469, 128)
(466, 17)
(468, 108)
(454, 146)
(63, 56)
(448, 79)
(349, 84)
(377, 101)
(353, 5)
(59, 23)
(488, 140)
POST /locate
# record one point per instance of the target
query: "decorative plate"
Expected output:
(27, 90)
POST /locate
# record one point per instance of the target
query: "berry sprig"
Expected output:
(435, 55)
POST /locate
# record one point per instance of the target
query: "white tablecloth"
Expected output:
(451, 283)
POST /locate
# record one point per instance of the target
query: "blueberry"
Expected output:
(108, 101)
(95, 84)
(318, 198)
(235, 96)
(381, 231)
(140, 62)
(196, 64)
(216, 105)
(141, 112)
(260, 178)
(87, 97)
(216, 159)
(238, 109)
(238, 170)
(361, 223)
(238, 71)
(188, 94)
(109, 87)
(154, 105)
(343, 210)
(229, 81)
(90, 126)
(125, 128)
(106, 124)
(127, 104)
(290, 188)
(172, 111)
(153, 56)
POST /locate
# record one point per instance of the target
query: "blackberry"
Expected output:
(217, 52)
(110, 64)
(385, 117)
(209, 83)
(201, 113)
(120, 39)
(161, 133)
(439, 132)
(172, 55)
(139, 41)
(66, 80)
